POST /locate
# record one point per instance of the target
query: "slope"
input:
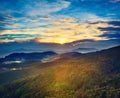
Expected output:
(94, 75)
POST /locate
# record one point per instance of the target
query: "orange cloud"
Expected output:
(63, 33)
(64, 21)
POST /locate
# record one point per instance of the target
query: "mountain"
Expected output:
(27, 56)
(86, 49)
(70, 55)
(92, 75)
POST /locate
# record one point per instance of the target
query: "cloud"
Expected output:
(22, 15)
(17, 37)
(111, 35)
(111, 32)
(114, 23)
(16, 40)
(48, 19)
(80, 42)
(90, 18)
(64, 21)
(45, 7)
(110, 29)
(114, 1)
(65, 33)
(10, 17)
(45, 18)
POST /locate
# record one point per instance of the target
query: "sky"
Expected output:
(59, 25)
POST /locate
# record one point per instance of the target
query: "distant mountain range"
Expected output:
(37, 56)
(27, 56)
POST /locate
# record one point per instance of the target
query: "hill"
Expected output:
(13, 66)
(16, 60)
(93, 75)
(27, 56)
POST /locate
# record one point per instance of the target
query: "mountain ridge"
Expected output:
(27, 56)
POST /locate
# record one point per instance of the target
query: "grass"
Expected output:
(91, 76)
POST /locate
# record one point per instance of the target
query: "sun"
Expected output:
(62, 41)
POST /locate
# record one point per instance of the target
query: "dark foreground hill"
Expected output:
(94, 75)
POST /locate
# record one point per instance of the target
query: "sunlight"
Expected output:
(62, 41)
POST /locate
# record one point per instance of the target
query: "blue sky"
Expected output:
(60, 21)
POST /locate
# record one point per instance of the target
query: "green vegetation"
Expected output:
(8, 76)
(95, 75)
